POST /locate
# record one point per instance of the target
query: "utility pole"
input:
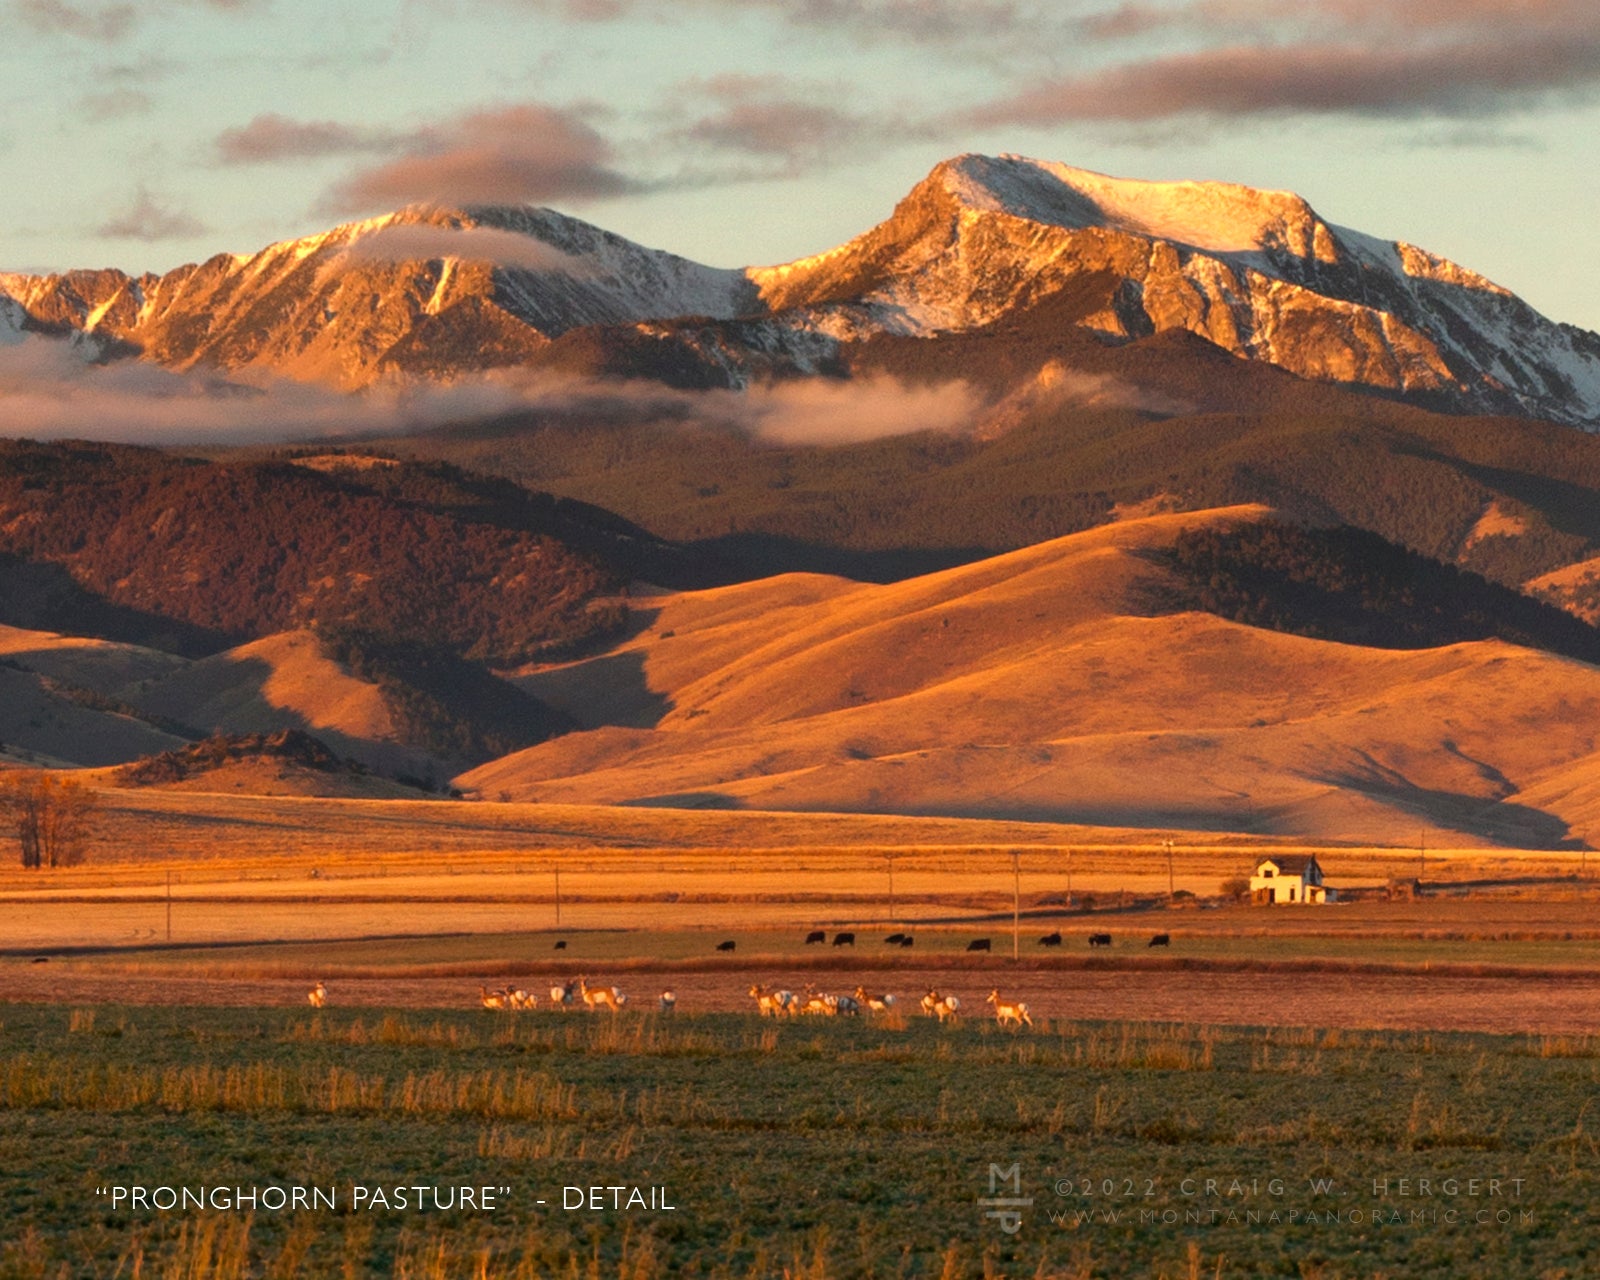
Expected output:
(1016, 898)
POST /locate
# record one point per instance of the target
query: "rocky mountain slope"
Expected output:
(437, 293)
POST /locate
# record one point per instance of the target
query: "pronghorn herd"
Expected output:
(507, 998)
(563, 995)
(771, 1002)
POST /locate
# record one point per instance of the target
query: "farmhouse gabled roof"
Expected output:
(1288, 864)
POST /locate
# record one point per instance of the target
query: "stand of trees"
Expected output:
(52, 818)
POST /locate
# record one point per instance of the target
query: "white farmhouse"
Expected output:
(1285, 878)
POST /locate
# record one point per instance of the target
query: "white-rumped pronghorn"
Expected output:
(562, 994)
(318, 996)
(601, 997)
(520, 999)
(945, 1008)
(874, 1004)
(492, 999)
(668, 1001)
(771, 1004)
(1009, 1011)
(819, 1003)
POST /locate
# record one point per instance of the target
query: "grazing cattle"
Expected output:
(318, 996)
(979, 944)
(1099, 939)
(561, 945)
(40, 960)
(1051, 939)
(668, 1001)
(894, 940)
(562, 994)
(816, 936)
(844, 939)
(1161, 940)
(1013, 1011)
(907, 941)
(729, 945)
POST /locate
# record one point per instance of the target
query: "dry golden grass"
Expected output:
(1028, 685)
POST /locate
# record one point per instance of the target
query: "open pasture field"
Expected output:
(817, 1147)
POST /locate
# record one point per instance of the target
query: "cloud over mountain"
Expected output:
(529, 153)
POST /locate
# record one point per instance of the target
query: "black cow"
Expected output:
(1161, 940)
(816, 935)
(727, 946)
(561, 945)
(894, 939)
(844, 939)
(1051, 939)
(979, 944)
(1099, 939)
(907, 941)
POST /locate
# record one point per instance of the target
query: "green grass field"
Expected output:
(821, 1148)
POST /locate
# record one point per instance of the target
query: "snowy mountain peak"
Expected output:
(1219, 217)
(434, 292)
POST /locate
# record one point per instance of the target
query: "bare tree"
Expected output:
(52, 817)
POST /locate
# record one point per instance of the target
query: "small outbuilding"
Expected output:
(1288, 879)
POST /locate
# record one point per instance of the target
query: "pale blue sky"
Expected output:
(146, 134)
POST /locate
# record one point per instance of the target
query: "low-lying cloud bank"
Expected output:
(48, 391)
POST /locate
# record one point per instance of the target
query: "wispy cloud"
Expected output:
(1440, 58)
(772, 120)
(85, 21)
(517, 154)
(115, 104)
(149, 219)
(909, 20)
(48, 391)
(410, 242)
(271, 137)
(102, 22)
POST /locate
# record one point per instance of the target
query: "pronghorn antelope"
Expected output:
(318, 996)
(520, 999)
(1009, 1010)
(601, 997)
(817, 1002)
(492, 999)
(771, 1004)
(562, 994)
(874, 1004)
(668, 1001)
(945, 1008)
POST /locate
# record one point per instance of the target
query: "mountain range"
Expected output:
(1140, 504)
(436, 293)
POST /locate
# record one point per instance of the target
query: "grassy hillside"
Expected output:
(193, 556)
(1169, 417)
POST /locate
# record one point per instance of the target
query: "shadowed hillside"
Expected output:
(192, 556)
